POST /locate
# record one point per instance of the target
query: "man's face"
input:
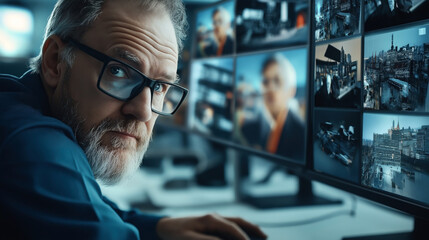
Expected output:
(113, 133)
(273, 86)
(220, 27)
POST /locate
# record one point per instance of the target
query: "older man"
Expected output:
(86, 111)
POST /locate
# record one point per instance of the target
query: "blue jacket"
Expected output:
(47, 188)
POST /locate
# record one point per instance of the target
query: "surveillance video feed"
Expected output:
(336, 143)
(338, 75)
(215, 31)
(271, 102)
(387, 13)
(210, 101)
(396, 70)
(271, 24)
(395, 154)
(335, 19)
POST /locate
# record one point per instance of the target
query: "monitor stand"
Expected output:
(420, 232)
(304, 197)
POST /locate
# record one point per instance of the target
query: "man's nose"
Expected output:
(140, 106)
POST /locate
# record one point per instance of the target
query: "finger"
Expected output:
(249, 228)
(224, 228)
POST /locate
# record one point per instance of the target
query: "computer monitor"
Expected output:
(254, 97)
(370, 113)
(360, 93)
(232, 92)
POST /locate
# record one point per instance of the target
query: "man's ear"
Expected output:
(52, 63)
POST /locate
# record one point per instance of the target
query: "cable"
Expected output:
(350, 212)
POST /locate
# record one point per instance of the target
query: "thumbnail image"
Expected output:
(215, 31)
(270, 24)
(211, 97)
(270, 106)
(395, 154)
(386, 13)
(396, 70)
(335, 18)
(338, 75)
(336, 143)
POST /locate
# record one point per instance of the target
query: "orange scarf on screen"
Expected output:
(276, 132)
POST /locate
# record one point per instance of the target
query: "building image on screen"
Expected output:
(387, 13)
(334, 18)
(215, 31)
(337, 80)
(271, 102)
(271, 24)
(211, 98)
(336, 143)
(396, 70)
(395, 154)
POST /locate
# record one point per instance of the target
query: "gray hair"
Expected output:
(286, 68)
(71, 19)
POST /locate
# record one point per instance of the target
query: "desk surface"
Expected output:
(369, 219)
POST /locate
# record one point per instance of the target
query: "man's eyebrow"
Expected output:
(129, 57)
(137, 63)
(172, 78)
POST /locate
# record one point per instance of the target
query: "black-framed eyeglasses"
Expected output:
(124, 82)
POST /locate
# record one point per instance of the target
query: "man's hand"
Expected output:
(208, 227)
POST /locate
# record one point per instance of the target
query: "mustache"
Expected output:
(131, 127)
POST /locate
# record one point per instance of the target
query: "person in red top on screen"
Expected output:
(278, 128)
(222, 42)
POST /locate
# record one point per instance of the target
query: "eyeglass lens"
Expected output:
(121, 82)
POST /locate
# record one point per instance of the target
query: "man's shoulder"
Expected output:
(41, 145)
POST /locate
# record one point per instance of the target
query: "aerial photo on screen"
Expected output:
(335, 18)
(395, 154)
(336, 143)
(271, 24)
(338, 78)
(396, 70)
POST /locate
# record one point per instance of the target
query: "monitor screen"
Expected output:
(255, 96)
(361, 94)
(370, 105)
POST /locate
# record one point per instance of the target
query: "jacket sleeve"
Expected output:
(145, 223)
(48, 191)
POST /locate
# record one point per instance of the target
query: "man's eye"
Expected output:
(159, 87)
(118, 71)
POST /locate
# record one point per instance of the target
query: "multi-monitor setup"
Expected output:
(337, 89)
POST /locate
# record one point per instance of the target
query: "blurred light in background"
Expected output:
(16, 31)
